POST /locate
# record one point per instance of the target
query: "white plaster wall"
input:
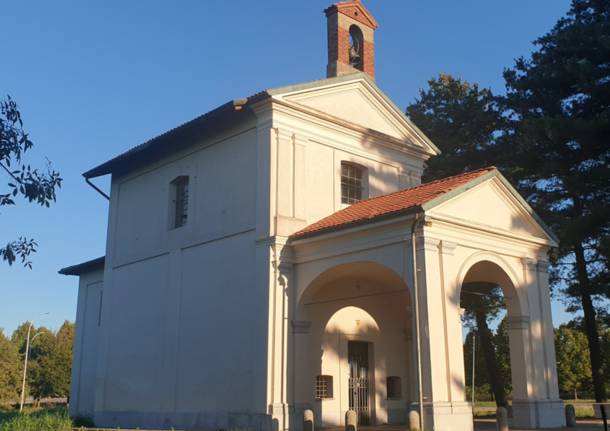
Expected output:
(85, 344)
(187, 338)
(306, 156)
(184, 323)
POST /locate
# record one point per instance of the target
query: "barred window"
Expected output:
(352, 183)
(324, 387)
(180, 201)
(394, 387)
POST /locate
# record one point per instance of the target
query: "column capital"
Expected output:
(543, 266)
(529, 264)
(426, 243)
(448, 247)
(284, 134)
(300, 326)
(518, 322)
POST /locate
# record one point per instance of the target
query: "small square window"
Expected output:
(394, 387)
(324, 387)
(180, 201)
(352, 182)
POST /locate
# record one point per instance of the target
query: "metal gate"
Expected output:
(359, 393)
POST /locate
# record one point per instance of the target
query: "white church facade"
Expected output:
(279, 254)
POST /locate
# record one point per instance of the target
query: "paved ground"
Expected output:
(584, 425)
(485, 425)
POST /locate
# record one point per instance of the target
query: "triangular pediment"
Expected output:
(356, 100)
(494, 205)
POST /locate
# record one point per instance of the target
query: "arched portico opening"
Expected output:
(491, 303)
(353, 345)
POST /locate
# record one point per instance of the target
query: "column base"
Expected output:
(281, 414)
(448, 416)
(537, 414)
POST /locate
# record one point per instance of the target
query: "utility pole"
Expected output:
(25, 363)
(474, 346)
(25, 366)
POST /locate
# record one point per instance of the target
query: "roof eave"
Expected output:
(81, 268)
(179, 137)
(358, 223)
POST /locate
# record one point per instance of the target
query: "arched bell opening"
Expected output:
(353, 350)
(356, 48)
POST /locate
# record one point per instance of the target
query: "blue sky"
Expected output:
(96, 78)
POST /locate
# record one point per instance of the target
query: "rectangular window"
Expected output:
(351, 183)
(324, 387)
(394, 387)
(180, 201)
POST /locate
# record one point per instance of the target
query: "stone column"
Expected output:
(551, 407)
(535, 393)
(441, 357)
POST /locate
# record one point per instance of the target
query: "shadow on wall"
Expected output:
(356, 302)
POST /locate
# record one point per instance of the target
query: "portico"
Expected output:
(348, 289)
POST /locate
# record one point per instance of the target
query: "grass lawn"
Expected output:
(44, 419)
(584, 408)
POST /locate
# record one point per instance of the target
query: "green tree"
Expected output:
(480, 368)
(10, 371)
(43, 371)
(31, 184)
(501, 342)
(64, 340)
(573, 363)
(559, 156)
(462, 120)
(482, 302)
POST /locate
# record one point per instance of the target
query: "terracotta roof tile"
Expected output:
(390, 204)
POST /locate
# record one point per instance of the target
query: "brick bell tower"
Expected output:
(351, 41)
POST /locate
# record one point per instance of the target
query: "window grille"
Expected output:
(394, 387)
(351, 183)
(324, 387)
(180, 200)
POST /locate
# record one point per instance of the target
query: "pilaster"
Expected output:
(288, 189)
(281, 281)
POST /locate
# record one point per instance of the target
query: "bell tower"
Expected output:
(351, 41)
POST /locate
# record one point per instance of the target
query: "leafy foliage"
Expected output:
(30, 183)
(573, 363)
(559, 106)
(10, 370)
(49, 364)
(481, 302)
(549, 136)
(462, 119)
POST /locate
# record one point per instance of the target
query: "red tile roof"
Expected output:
(391, 204)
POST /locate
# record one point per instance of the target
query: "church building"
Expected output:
(279, 253)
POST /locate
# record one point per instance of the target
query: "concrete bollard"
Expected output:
(502, 419)
(308, 420)
(414, 420)
(351, 421)
(570, 416)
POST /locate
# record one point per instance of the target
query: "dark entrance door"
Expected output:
(358, 358)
